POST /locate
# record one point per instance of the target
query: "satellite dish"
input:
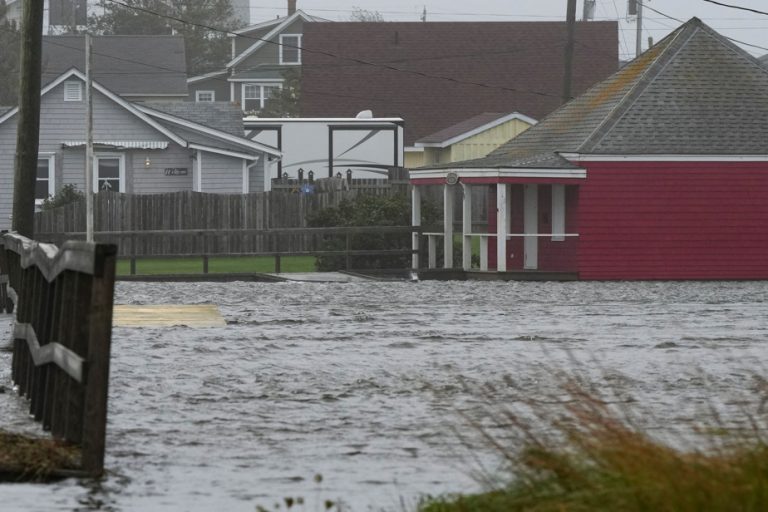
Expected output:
(364, 114)
(451, 178)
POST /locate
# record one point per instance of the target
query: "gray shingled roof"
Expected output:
(128, 65)
(461, 127)
(220, 115)
(694, 92)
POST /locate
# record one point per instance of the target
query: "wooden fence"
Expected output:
(63, 300)
(346, 245)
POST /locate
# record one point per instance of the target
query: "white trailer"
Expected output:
(366, 147)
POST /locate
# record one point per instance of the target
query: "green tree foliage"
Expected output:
(10, 41)
(206, 49)
(68, 194)
(285, 102)
(370, 211)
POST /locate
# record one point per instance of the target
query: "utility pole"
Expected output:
(28, 125)
(88, 139)
(424, 15)
(639, 34)
(568, 74)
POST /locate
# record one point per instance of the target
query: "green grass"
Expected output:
(583, 455)
(243, 265)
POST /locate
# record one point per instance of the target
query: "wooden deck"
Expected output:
(167, 315)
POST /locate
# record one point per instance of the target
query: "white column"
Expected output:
(415, 221)
(502, 225)
(484, 253)
(466, 240)
(447, 226)
(246, 181)
(198, 179)
(531, 227)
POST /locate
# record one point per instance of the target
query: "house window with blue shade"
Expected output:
(256, 96)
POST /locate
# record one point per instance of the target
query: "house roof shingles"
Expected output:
(484, 67)
(461, 127)
(128, 65)
(694, 92)
(219, 115)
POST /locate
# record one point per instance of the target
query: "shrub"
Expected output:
(369, 211)
(68, 194)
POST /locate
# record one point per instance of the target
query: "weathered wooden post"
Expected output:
(62, 336)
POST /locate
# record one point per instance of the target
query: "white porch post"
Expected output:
(415, 221)
(502, 225)
(447, 226)
(197, 173)
(466, 240)
(246, 180)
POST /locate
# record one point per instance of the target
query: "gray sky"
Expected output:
(745, 26)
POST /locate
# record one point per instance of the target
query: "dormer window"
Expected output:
(73, 90)
(290, 49)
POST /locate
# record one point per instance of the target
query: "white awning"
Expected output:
(119, 144)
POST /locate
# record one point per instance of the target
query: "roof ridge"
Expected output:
(655, 67)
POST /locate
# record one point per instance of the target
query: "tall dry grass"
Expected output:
(582, 452)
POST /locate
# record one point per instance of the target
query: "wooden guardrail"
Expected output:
(276, 243)
(61, 339)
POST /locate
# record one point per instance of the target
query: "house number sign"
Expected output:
(176, 171)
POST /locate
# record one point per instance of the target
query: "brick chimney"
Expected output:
(291, 7)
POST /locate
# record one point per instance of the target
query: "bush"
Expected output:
(369, 211)
(68, 194)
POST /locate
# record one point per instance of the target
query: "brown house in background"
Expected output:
(435, 75)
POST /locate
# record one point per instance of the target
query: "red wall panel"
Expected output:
(674, 220)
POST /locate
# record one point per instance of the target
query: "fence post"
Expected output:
(277, 252)
(205, 263)
(97, 369)
(349, 247)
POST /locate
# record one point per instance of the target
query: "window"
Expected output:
(256, 96)
(109, 172)
(290, 49)
(73, 90)
(45, 187)
(205, 96)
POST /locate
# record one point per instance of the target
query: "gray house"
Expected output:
(138, 68)
(261, 54)
(140, 148)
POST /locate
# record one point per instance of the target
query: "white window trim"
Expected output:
(262, 98)
(96, 158)
(197, 96)
(68, 90)
(51, 157)
(298, 47)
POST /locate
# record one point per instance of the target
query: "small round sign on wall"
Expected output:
(451, 178)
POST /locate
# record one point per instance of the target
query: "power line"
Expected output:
(335, 56)
(738, 7)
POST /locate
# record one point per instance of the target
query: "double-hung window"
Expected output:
(109, 172)
(290, 49)
(256, 96)
(45, 186)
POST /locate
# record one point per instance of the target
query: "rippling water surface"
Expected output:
(361, 382)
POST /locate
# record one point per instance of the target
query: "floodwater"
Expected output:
(363, 383)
